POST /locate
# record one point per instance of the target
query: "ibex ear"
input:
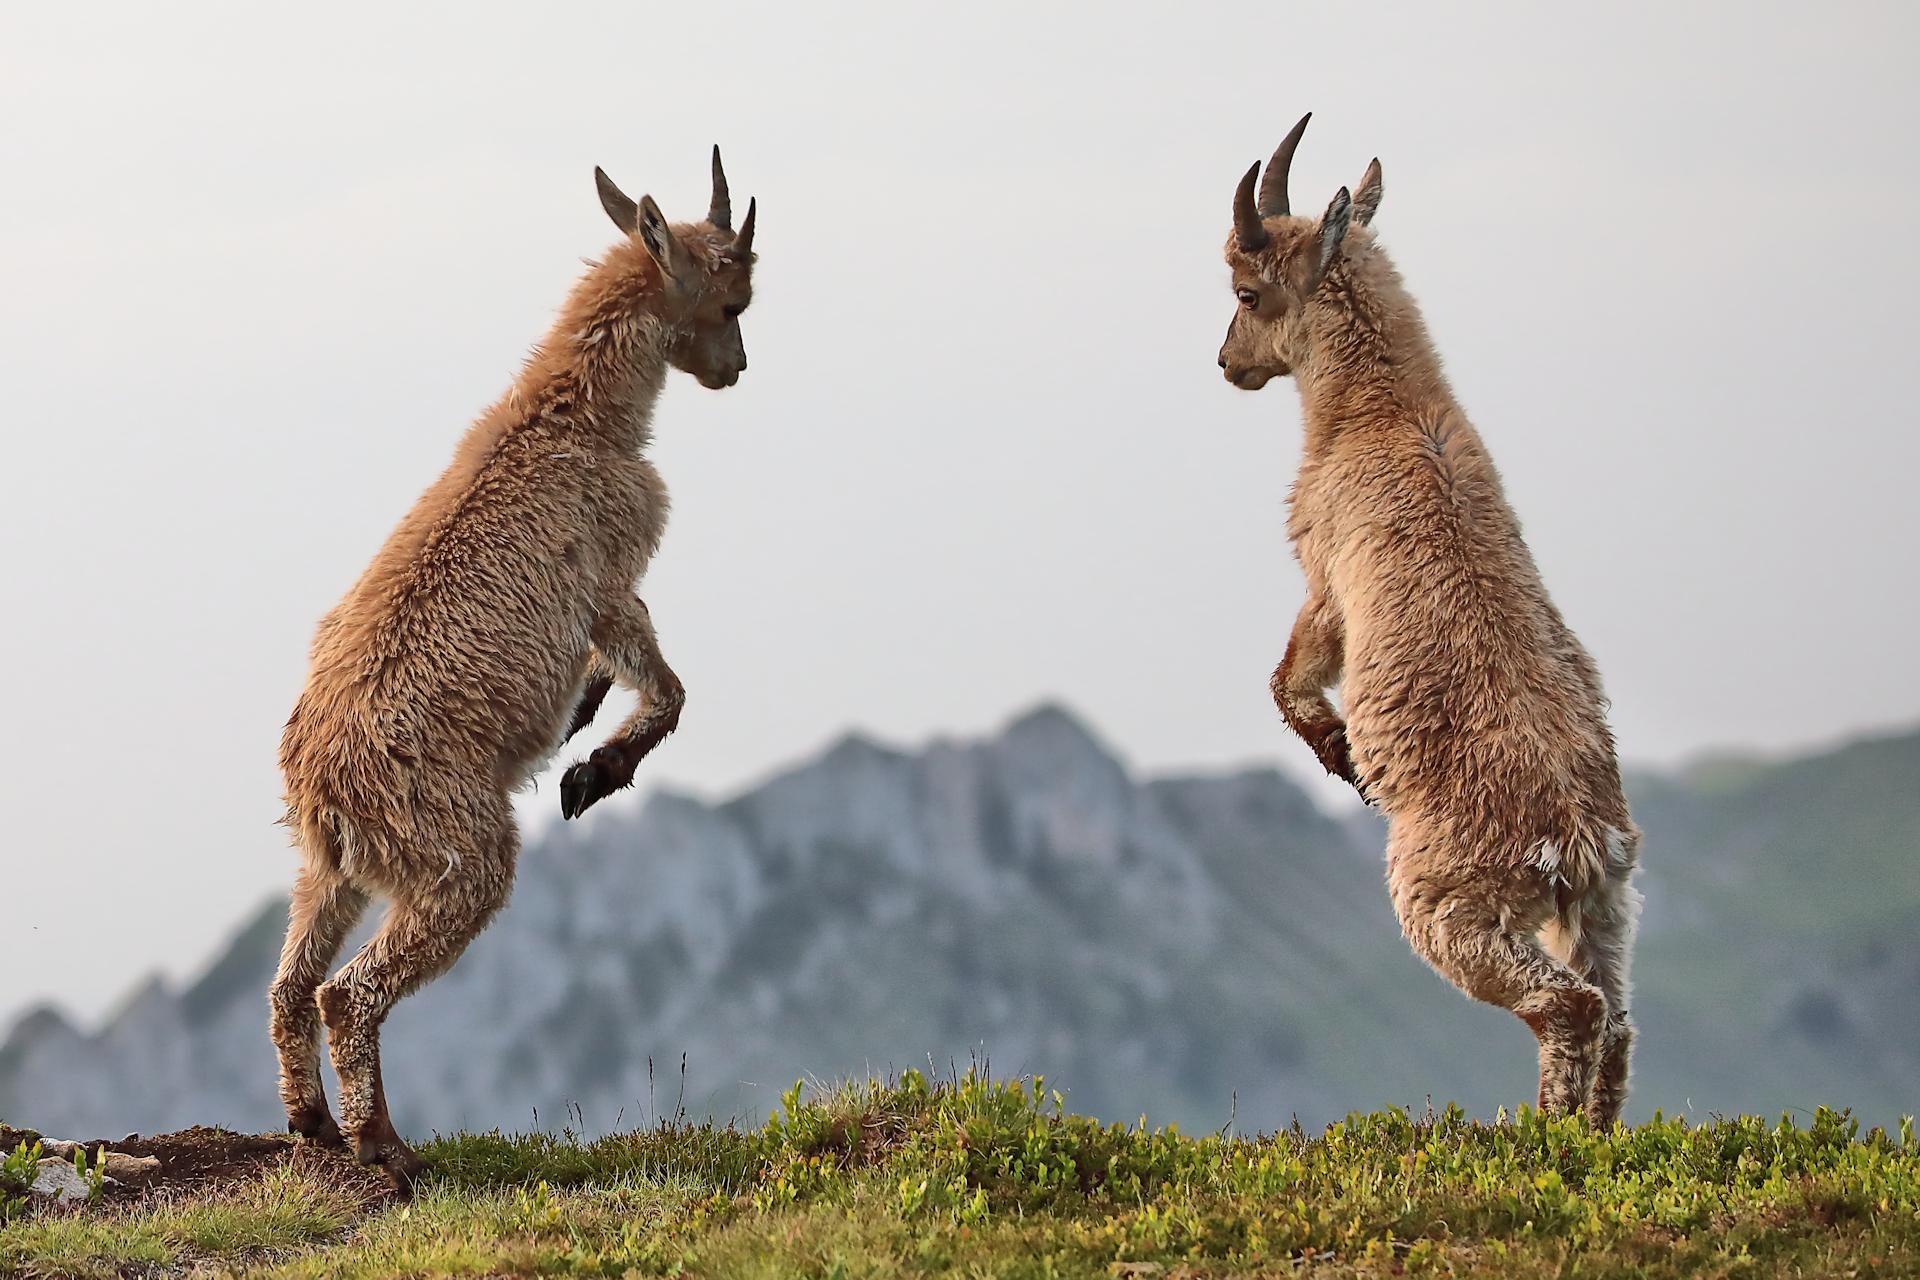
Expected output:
(655, 235)
(1366, 196)
(622, 210)
(1333, 230)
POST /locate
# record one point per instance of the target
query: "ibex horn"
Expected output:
(720, 212)
(1246, 219)
(743, 243)
(1273, 189)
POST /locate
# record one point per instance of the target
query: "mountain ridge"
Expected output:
(1190, 944)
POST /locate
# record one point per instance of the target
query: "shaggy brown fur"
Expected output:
(457, 664)
(1473, 718)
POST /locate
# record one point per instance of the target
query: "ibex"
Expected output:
(1472, 717)
(483, 635)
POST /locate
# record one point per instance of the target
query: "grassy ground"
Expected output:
(982, 1178)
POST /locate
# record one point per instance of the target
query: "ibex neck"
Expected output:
(606, 355)
(1369, 359)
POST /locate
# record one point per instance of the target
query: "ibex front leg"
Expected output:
(1314, 658)
(592, 694)
(624, 638)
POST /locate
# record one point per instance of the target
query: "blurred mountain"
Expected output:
(1191, 948)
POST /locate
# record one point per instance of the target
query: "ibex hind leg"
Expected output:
(1478, 932)
(322, 912)
(420, 939)
(1604, 954)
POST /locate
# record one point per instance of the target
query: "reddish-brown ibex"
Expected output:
(483, 635)
(1469, 715)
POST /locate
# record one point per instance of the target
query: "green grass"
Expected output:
(983, 1178)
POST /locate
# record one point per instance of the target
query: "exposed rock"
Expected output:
(118, 1164)
(58, 1180)
(126, 1168)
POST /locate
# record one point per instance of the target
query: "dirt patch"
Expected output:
(201, 1158)
(200, 1155)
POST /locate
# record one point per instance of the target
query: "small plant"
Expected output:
(19, 1169)
(913, 1194)
(537, 1209)
(17, 1173)
(92, 1172)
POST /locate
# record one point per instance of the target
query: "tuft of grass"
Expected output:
(974, 1176)
(725, 1156)
(284, 1211)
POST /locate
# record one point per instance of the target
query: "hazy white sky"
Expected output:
(260, 266)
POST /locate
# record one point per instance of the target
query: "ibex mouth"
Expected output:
(1250, 379)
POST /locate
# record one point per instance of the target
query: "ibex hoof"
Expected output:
(316, 1125)
(401, 1163)
(384, 1150)
(582, 785)
(1335, 755)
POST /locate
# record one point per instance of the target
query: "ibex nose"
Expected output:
(1223, 359)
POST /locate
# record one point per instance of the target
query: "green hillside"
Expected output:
(1819, 849)
(1780, 959)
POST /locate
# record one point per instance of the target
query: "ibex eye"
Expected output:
(1248, 299)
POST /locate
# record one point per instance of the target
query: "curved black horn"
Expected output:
(1273, 189)
(743, 243)
(1246, 219)
(720, 211)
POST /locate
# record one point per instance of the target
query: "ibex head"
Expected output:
(1278, 261)
(706, 269)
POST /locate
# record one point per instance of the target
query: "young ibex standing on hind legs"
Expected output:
(1473, 718)
(484, 634)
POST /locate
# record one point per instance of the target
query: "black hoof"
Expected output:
(585, 784)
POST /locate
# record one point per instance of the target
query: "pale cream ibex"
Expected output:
(483, 635)
(1469, 714)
